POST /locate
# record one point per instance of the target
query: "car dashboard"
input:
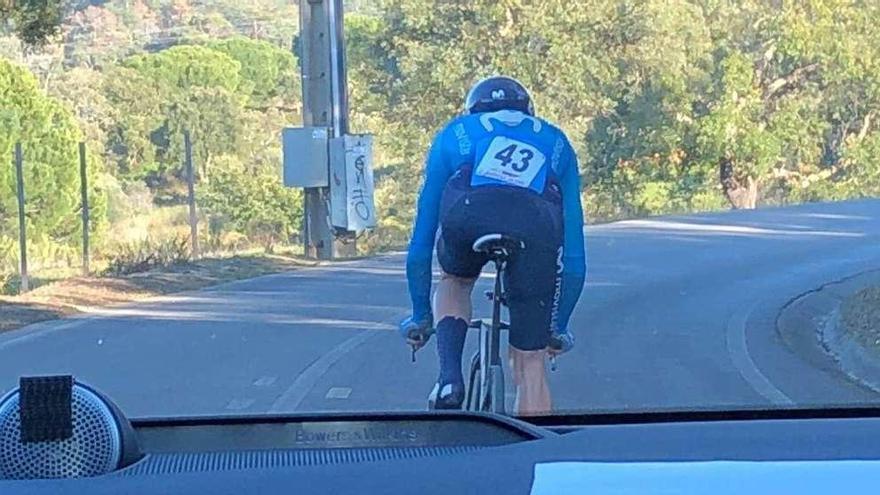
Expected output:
(754, 452)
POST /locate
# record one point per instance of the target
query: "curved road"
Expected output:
(679, 312)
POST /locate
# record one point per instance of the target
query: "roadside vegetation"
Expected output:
(74, 294)
(860, 315)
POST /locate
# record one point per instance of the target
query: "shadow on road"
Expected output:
(19, 314)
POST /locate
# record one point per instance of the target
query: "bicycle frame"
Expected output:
(488, 358)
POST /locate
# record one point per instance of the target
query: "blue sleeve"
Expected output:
(421, 246)
(574, 253)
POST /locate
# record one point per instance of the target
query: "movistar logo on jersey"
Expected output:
(510, 118)
(557, 291)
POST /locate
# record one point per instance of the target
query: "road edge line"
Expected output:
(738, 350)
(290, 400)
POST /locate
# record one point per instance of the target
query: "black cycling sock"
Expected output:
(451, 334)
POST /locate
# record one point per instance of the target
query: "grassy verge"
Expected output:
(79, 294)
(860, 316)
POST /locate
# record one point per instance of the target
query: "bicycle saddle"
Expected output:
(498, 245)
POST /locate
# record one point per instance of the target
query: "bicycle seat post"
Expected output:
(487, 362)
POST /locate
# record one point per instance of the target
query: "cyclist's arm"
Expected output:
(421, 246)
(574, 252)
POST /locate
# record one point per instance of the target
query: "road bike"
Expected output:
(485, 389)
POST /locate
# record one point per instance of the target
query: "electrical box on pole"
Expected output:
(305, 151)
(333, 167)
(351, 183)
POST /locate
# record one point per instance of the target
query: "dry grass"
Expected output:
(860, 316)
(79, 294)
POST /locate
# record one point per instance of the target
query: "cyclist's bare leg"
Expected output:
(452, 311)
(453, 297)
(530, 377)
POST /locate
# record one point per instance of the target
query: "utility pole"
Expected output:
(191, 195)
(84, 193)
(22, 225)
(325, 104)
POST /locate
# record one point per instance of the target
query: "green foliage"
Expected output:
(255, 204)
(183, 88)
(129, 137)
(34, 21)
(49, 137)
(269, 71)
(8, 256)
(184, 67)
(672, 105)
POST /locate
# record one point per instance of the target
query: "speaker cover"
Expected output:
(97, 440)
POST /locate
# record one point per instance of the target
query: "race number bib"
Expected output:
(511, 162)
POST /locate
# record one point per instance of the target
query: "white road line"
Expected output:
(265, 381)
(738, 349)
(239, 404)
(306, 381)
(338, 393)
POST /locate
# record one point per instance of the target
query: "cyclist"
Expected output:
(498, 169)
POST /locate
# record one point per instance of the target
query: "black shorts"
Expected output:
(533, 275)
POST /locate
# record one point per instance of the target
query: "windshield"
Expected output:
(223, 207)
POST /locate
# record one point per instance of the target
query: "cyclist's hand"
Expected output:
(416, 332)
(560, 343)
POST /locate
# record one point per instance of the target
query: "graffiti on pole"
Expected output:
(358, 195)
(351, 183)
(361, 212)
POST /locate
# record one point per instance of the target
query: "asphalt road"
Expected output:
(678, 313)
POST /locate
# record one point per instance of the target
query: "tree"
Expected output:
(95, 37)
(139, 100)
(83, 92)
(183, 67)
(268, 71)
(412, 63)
(159, 96)
(33, 21)
(255, 204)
(672, 105)
(49, 136)
(789, 93)
(638, 146)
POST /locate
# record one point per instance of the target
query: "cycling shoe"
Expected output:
(450, 396)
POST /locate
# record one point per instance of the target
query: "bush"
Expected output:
(6, 283)
(8, 254)
(148, 254)
(217, 239)
(254, 204)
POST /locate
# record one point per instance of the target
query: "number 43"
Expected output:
(506, 157)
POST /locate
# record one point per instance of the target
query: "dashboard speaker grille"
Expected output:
(224, 461)
(93, 449)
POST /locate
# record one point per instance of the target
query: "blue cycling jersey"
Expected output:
(505, 147)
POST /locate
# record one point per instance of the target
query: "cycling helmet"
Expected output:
(498, 93)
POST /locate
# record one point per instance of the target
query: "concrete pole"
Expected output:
(325, 104)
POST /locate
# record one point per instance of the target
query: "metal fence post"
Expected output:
(84, 189)
(22, 232)
(190, 183)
